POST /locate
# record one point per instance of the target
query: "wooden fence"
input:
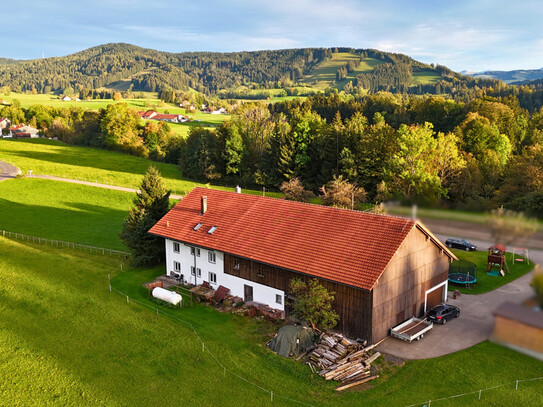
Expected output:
(60, 243)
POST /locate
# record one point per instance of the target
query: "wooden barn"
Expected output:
(383, 269)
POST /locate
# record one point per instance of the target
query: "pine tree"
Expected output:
(150, 204)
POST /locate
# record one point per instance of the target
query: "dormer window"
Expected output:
(198, 226)
(213, 229)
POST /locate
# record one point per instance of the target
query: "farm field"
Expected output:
(48, 157)
(324, 75)
(63, 211)
(27, 100)
(82, 345)
(486, 283)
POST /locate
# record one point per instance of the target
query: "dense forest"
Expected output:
(430, 150)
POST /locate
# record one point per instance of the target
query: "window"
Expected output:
(199, 272)
(198, 252)
(213, 278)
(195, 251)
(260, 271)
(198, 226)
(175, 247)
(192, 270)
(278, 299)
(236, 264)
(176, 266)
(213, 229)
(212, 257)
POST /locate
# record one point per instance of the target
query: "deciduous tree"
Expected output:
(314, 303)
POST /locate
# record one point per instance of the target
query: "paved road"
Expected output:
(7, 171)
(476, 321)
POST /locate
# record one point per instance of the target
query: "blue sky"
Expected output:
(470, 35)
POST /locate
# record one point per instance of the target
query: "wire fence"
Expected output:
(60, 243)
(273, 395)
(479, 393)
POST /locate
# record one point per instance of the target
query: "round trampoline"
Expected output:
(460, 278)
(463, 272)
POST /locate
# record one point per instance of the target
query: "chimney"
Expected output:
(238, 189)
(204, 205)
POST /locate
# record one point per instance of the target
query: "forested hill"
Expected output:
(151, 70)
(123, 66)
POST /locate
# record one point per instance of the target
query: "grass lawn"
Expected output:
(66, 340)
(486, 283)
(50, 157)
(63, 211)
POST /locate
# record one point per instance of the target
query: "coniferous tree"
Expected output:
(150, 204)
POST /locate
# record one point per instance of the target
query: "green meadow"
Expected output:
(48, 157)
(64, 211)
(66, 340)
(324, 75)
(425, 77)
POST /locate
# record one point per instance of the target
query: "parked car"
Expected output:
(442, 313)
(460, 244)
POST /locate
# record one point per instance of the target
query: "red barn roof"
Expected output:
(340, 245)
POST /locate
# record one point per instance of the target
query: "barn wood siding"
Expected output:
(399, 293)
(352, 304)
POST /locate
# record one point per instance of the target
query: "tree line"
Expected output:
(430, 150)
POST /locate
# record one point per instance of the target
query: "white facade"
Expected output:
(192, 259)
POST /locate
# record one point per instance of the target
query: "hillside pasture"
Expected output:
(425, 77)
(49, 157)
(80, 344)
(324, 75)
(64, 211)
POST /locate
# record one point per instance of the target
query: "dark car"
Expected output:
(442, 313)
(460, 244)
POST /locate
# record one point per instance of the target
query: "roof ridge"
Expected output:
(407, 220)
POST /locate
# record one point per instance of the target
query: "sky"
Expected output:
(472, 35)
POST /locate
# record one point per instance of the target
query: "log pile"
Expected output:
(343, 360)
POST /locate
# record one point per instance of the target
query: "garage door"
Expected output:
(434, 297)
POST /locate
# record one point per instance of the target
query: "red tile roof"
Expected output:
(163, 116)
(344, 246)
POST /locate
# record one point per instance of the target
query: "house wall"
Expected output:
(352, 304)
(416, 268)
(261, 292)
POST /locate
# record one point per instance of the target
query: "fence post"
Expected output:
(110, 287)
(203, 347)
(127, 299)
(480, 394)
(271, 393)
(516, 387)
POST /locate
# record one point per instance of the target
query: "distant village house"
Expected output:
(23, 131)
(172, 118)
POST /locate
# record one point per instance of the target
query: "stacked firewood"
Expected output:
(341, 359)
